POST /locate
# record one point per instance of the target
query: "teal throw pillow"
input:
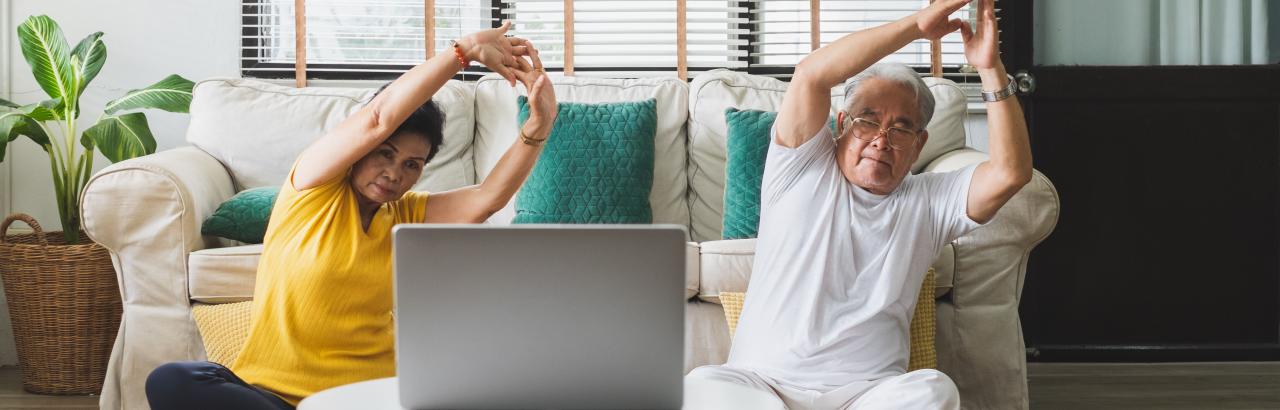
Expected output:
(597, 166)
(746, 147)
(244, 217)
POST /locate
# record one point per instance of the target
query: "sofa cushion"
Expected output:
(597, 166)
(924, 322)
(945, 267)
(692, 269)
(244, 217)
(256, 129)
(224, 328)
(714, 91)
(496, 130)
(747, 146)
(221, 275)
(726, 267)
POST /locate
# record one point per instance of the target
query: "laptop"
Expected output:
(539, 316)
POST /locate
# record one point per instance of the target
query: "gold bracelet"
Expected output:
(530, 141)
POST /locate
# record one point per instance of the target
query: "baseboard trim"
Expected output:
(1155, 353)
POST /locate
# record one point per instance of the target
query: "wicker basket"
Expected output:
(65, 307)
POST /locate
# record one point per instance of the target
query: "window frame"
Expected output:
(250, 38)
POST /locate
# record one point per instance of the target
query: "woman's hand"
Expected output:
(477, 203)
(934, 21)
(542, 99)
(499, 53)
(982, 46)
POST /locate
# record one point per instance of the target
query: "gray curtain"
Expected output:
(1157, 32)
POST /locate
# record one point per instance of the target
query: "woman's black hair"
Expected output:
(427, 121)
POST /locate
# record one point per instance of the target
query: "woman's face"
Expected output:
(386, 173)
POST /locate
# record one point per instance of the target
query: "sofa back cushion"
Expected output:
(496, 113)
(712, 92)
(257, 129)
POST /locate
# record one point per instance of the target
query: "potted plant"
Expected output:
(61, 287)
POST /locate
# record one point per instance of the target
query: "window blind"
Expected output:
(614, 38)
(352, 38)
(632, 38)
(783, 31)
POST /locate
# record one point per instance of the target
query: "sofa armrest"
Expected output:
(979, 336)
(147, 212)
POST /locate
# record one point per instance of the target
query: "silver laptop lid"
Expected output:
(540, 316)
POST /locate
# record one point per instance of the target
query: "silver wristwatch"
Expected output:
(999, 95)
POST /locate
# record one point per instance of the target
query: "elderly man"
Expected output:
(846, 233)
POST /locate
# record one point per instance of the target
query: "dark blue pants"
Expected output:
(206, 385)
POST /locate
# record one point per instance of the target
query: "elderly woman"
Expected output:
(322, 309)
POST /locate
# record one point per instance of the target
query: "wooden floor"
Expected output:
(1053, 386)
(12, 396)
(1171, 386)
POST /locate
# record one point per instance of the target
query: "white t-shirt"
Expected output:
(838, 269)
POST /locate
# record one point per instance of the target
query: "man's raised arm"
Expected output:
(807, 103)
(997, 179)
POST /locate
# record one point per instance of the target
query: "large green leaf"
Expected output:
(121, 137)
(172, 94)
(35, 132)
(47, 110)
(9, 122)
(14, 123)
(4, 143)
(47, 52)
(91, 54)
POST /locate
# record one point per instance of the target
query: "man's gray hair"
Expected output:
(898, 73)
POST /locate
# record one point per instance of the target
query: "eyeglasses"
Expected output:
(870, 131)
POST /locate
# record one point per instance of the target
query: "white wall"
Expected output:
(146, 41)
(7, 354)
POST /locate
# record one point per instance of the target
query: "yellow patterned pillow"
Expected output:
(924, 353)
(223, 328)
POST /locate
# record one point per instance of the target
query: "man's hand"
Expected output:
(1009, 166)
(982, 46)
(934, 21)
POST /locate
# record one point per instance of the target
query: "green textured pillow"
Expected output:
(243, 217)
(746, 147)
(597, 166)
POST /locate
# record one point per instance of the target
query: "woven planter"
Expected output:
(65, 307)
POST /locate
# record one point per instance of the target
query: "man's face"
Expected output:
(877, 166)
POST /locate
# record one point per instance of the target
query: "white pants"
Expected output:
(921, 389)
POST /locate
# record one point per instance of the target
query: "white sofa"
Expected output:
(244, 133)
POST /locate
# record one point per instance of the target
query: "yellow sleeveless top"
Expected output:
(322, 302)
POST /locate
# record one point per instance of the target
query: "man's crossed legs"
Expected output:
(921, 389)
